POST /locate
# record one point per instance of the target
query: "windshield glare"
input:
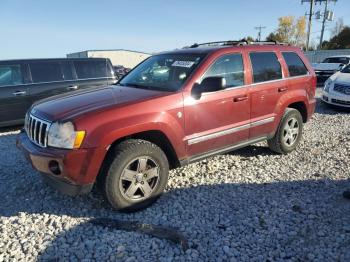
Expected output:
(162, 72)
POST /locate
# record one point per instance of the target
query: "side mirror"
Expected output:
(209, 84)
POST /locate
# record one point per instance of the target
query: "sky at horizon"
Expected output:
(34, 29)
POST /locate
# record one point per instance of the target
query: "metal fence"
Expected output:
(319, 55)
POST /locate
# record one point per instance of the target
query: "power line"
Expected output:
(259, 28)
(327, 16)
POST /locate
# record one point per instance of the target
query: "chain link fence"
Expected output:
(319, 55)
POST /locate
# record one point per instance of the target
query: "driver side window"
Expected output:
(229, 67)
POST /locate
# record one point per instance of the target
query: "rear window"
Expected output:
(46, 72)
(91, 69)
(266, 67)
(295, 65)
(10, 75)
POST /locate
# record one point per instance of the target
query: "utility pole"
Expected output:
(323, 23)
(309, 25)
(259, 28)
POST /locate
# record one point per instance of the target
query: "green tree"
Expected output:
(290, 30)
(339, 41)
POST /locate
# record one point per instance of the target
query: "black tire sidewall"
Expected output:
(122, 158)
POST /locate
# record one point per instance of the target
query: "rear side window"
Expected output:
(10, 75)
(67, 70)
(295, 65)
(266, 67)
(90, 69)
(46, 72)
(230, 67)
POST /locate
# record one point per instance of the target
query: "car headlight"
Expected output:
(327, 85)
(63, 135)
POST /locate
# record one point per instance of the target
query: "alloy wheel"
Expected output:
(139, 178)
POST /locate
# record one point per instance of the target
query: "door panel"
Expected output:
(268, 85)
(14, 102)
(264, 99)
(216, 120)
(13, 93)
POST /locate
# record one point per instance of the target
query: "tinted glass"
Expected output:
(230, 67)
(265, 66)
(67, 70)
(337, 60)
(295, 65)
(346, 69)
(163, 72)
(46, 72)
(10, 75)
(90, 69)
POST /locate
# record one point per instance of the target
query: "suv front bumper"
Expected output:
(75, 176)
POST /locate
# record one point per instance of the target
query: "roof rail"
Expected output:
(219, 43)
(235, 42)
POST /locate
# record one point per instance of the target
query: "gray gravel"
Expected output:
(249, 205)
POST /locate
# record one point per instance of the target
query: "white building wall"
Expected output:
(125, 58)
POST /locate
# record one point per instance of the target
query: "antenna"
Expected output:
(259, 28)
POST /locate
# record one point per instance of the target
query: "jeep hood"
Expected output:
(72, 105)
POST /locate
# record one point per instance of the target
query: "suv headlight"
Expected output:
(63, 135)
(327, 85)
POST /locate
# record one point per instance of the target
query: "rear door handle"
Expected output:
(282, 89)
(19, 93)
(71, 88)
(240, 98)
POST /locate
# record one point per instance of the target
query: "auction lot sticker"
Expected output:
(186, 64)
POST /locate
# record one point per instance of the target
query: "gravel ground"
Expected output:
(249, 205)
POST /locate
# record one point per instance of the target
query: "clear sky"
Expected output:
(42, 28)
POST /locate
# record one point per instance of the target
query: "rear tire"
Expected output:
(137, 175)
(289, 132)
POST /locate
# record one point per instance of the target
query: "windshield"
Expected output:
(346, 69)
(162, 72)
(337, 60)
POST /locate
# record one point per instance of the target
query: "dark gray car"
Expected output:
(22, 82)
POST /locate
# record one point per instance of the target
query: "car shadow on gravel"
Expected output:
(274, 221)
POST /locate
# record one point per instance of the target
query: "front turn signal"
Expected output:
(79, 137)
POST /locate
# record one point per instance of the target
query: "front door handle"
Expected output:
(72, 88)
(282, 89)
(19, 93)
(240, 98)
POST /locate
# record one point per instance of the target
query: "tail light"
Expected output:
(313, 86)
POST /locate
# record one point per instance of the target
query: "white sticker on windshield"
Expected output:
(186, 64)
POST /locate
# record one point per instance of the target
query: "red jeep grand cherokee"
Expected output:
(172, 109)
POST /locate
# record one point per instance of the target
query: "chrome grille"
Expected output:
(37, 130)
(341, 88)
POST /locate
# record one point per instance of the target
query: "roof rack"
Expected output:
(235, 42)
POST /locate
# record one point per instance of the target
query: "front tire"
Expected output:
(289, 132)
(137, 175)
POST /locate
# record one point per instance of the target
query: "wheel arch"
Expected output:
(301, 107)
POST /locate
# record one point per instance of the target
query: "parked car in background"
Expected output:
(120, 71)
(336, 89)
(329, 66)
(173, 109)
(22, 82)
